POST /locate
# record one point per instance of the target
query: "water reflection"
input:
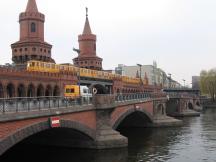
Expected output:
(193, 142)
(48, 154)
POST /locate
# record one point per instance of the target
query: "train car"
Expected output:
(42, 66)
(83, 72)
(76, 91)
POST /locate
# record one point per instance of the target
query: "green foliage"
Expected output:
(208, 83)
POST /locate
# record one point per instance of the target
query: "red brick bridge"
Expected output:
(83, 124)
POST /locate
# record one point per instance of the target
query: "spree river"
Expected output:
(193, 142)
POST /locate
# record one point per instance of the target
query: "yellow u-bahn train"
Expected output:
(57, 68)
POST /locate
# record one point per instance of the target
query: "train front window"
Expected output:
(69, 90)
(85, 90)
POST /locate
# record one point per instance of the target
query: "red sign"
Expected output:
(55, 122)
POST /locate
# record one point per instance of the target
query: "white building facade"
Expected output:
(155, 75)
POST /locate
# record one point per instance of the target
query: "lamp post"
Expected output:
(140, 66)
(184, 82)
(78, 76)
(169, 79)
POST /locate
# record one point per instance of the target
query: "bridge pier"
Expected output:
(106, 136)
(160, 118)
(178, 107)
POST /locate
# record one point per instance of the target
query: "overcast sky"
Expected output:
(179, 34)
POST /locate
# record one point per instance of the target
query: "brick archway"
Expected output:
(48, 91)
(1, 91)
(40, 90)
(31, 91)
(21, 91)
(10, 90)
(56, 91)
(21, 134)
(144, 114)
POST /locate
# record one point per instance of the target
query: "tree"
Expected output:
(208, 83)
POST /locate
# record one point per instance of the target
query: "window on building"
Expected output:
(95, 46)
(33, 27)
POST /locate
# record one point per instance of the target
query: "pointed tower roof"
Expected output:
(87, 28)
(31, 6)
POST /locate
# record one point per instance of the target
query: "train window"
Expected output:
(53, 66)
(69, 90)
(85, 90)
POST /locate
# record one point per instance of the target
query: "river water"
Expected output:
(193, 142)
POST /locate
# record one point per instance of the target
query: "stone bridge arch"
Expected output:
(38, 127)
(142, 115)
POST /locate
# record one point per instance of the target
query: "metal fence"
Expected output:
(12, 105)
(25, 104)
(131, 96)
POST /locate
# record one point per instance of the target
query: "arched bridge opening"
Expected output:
(133, 119)
(70, 134)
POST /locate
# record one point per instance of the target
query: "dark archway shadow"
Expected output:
(190, 106)
(70, 134)
(133, 118)
(98, 89)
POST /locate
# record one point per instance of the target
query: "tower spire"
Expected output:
(86, 11)
(87, 57)
(87, 28)
(31, 6)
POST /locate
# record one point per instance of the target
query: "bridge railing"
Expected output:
(12, 105)
(181, 95)
(138, 96)
(26, 104)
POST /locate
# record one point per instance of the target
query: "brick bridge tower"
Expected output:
(31, 45)
(87, 57)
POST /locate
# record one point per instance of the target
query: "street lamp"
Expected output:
(140, 66)
(169, 79)
(184, 82)
(78, 61)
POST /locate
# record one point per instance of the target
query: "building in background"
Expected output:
(155, 75)
(195, 82)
